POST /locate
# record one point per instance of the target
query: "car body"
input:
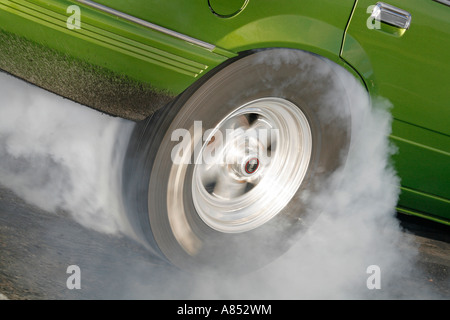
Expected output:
(170, 45)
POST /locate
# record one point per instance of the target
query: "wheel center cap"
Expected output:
(246, 168)
(251, 166)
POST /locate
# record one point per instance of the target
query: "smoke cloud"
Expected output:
(356, 233)
(61, 156)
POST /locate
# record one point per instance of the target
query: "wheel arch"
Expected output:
(319, 37)
(313, 35)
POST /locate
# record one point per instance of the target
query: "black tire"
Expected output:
(304, 79)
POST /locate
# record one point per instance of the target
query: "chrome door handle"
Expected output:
(391, 15)
(446, 2)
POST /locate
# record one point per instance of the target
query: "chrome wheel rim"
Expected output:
(251, 165)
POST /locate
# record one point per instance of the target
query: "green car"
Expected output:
(226, 75)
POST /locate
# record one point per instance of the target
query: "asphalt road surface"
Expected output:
(36, 248)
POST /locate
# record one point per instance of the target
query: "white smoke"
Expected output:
(357, 228)
(356, 233)
(61, 156)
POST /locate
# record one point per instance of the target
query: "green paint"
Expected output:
(408, 67)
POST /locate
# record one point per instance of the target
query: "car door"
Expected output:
(410, 66)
